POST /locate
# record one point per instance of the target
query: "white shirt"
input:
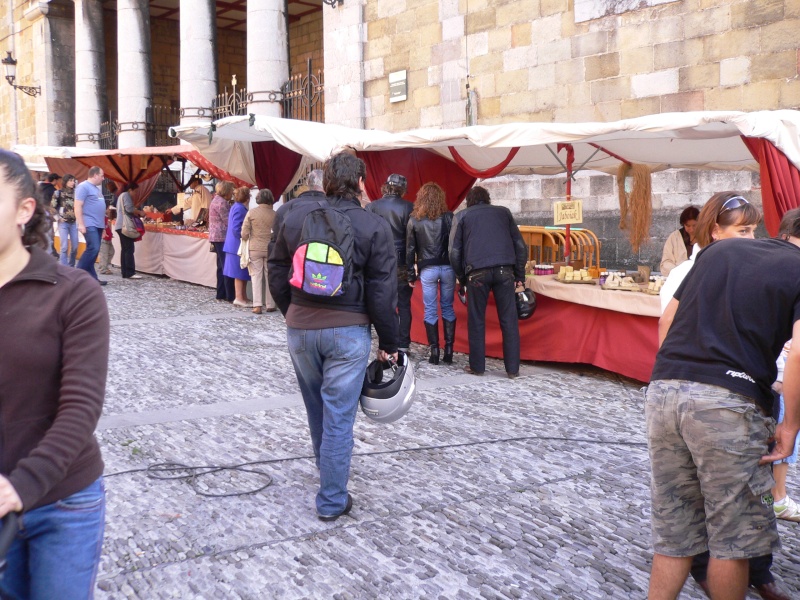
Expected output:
(675, 278)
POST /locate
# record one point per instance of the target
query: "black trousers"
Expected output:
(499, 281)
(225, 285)
(127, 263)
(404, 293)
(759, 568)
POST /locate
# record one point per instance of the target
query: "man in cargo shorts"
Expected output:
(708, 410)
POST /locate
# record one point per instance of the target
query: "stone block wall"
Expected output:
(232, 58)
(531, 200)
(554, 60)
(305, 41)
(165, 43)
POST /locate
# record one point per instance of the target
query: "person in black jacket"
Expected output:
(329, 337)
(427, 244)
(487, 250)
(396, 212)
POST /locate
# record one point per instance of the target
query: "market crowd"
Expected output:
(725, 372)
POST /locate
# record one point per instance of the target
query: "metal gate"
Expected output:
(304, 96)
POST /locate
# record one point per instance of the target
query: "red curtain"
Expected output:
(275, 166)
(418, 166)
(780, 181)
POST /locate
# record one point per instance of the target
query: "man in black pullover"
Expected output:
(488, 253)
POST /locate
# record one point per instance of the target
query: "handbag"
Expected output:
(244, 253)
(129, 228)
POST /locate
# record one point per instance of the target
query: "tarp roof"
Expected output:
(697, 140)
(123, 165)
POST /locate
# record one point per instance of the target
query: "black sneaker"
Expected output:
(347, 508)
(101, 282)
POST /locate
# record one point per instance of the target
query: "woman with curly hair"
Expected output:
(427, 238)
(53, 390)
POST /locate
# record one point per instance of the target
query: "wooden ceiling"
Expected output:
(231, 14)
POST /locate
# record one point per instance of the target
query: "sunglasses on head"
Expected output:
(731, 204)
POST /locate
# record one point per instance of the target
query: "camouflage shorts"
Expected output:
(707, 490)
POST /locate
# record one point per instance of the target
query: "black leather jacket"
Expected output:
(427, 243)
(374, 287)
(396, 212)
(486, 236)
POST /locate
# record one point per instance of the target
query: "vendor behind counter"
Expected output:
(678, 247)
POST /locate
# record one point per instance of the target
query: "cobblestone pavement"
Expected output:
(488, 488)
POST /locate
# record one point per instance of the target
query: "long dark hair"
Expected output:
(341, 174)
(18, 177)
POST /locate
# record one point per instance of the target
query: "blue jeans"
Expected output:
(330, 365)
(57, 550)
(434, 278)
(89, 256)
(68, 236)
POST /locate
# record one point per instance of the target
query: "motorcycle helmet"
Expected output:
(462, 294)
(387, 401)
(526, 304)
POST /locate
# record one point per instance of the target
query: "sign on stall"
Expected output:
(567, 213)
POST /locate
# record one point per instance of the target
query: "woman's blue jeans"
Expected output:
(330, 365)
(68, 237)
(439, 280)
(57, 549)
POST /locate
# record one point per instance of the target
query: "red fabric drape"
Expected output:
(485, 174)
(615, 341)
(780, 182)
(275, 166)
(418, 167)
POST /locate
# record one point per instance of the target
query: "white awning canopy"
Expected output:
(697, 140)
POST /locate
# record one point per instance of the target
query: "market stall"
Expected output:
(567, 328)
(180, 254)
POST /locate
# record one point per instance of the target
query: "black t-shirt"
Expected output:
(736, 309)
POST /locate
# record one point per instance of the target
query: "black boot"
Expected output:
(433, 341)
(449, 339)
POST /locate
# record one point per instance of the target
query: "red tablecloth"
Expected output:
(562, 331)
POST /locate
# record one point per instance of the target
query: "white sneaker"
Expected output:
(135, 277)
(788, 511)
(242, 304)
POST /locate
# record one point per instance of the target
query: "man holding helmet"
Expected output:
(329, 335)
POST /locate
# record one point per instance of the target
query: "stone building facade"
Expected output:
(568, 61)
(524, 60)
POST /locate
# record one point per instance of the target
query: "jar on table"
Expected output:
(603, 277)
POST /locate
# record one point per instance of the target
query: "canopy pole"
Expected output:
(570, 161)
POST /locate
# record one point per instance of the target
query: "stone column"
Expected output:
(90, 73)
(134, 72)
(47, 32)
(198, 60)
(344, 63)
(267, 56)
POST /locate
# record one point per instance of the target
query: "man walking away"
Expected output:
(329, 335)
(488, 253)
(396, 211)
(90, 214)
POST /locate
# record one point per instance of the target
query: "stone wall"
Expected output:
(165, 43)
(305, 41)
(529, 60)
(531, 200)
(231, 58)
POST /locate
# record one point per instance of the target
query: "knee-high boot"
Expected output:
(449, 339)
(433, 341)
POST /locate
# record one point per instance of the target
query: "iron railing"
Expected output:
(304, 96)
(158, 119)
